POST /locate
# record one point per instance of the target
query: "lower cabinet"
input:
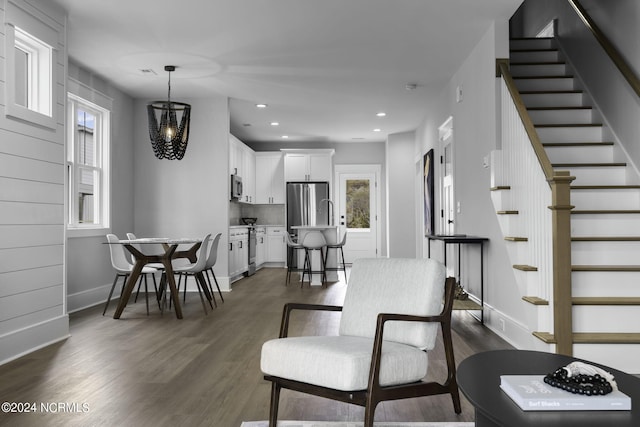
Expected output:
(261, 246)
(276, 244)
(238, 251)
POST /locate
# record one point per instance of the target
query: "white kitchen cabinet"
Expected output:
(276, 244)
(242, 162)
(261, 246)
(238, 251)
(269, 178)
(308, 165)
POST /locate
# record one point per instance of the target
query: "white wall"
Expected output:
(475, 135)
(32, 174)
(89, 270)
(400, 175)
(188, 197)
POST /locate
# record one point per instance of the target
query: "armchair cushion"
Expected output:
(341, 362)
(407, 286)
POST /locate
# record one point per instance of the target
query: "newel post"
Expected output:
(561, 223)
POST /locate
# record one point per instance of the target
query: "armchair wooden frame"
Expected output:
(375, 393)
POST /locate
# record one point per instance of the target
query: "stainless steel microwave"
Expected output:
(236, 187)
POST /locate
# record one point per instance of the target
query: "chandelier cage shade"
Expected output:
(169, 124)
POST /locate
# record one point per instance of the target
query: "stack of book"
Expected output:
(531, 393)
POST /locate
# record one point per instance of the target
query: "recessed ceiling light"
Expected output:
(377, 130)
(285, 136)
(275, 124)
(261, 105)
(381, 114)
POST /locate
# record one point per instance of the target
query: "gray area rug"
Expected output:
(351, 424)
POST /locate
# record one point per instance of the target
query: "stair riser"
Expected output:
(605, 319)
(606, 199)
(581, 154)
(605, 225)
(538, 43)
(552, 99)
(570, 134)
(552, 117)
(614, 175)
(545, 84)
(535, 56)
(537, 70)
(623, 357)
(618, 284)
(605, 253)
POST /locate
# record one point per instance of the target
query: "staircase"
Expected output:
(605, 223)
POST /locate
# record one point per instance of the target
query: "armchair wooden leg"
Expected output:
(275, 400)
(369, 413)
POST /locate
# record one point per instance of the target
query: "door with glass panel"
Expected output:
(358, 216)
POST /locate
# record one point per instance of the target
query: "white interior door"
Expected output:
(357, 205)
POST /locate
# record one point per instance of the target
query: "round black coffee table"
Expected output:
(479, 380)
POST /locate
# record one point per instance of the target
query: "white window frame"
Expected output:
(40, 77)
(102, 190)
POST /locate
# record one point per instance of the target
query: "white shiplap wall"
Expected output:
(32, 205)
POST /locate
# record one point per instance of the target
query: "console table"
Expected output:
(459, 240)
(479, 380)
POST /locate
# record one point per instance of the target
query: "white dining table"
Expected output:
(143, 257)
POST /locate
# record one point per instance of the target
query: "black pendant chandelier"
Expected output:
(169, 125)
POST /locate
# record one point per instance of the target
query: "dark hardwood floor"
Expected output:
(201, 370)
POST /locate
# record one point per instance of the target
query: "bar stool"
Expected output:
(337, 246)
(313, 241)
(292, 247)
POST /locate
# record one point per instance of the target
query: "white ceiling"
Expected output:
(324, 67)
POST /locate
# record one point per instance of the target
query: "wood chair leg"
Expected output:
(275, 400)
(146, 293)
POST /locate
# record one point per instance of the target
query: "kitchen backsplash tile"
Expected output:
(266, 214)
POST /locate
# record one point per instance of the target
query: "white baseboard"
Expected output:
(34, 337)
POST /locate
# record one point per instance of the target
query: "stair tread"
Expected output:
(605, 211)
(538, 63)
(550, 76)
(535, 92)
(524, 267)
(606, 239)
(576, 144)
(621, 268)
(605, 187)
(516, 239)
(568, 107)
(583, 165)
(535, 300)
(606, 300)
(567, 125)
(594, 337)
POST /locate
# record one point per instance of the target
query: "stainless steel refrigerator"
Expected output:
(307, 204)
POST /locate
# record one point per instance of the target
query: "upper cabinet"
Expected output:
(242, 162)
(308, 165)
(269, 178)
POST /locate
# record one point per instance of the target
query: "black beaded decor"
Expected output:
(588, 385)
(169, 124)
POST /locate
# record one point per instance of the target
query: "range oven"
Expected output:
(252, 251)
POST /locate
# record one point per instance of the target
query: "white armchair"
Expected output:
(388, 325)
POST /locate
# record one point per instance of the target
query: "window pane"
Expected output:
(358, 214)
(86, 144)
(86, 196)
(21, 76)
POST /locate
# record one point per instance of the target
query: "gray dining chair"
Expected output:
(196, 270)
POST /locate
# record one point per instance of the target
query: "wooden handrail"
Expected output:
(502, 69)
(614, 54)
